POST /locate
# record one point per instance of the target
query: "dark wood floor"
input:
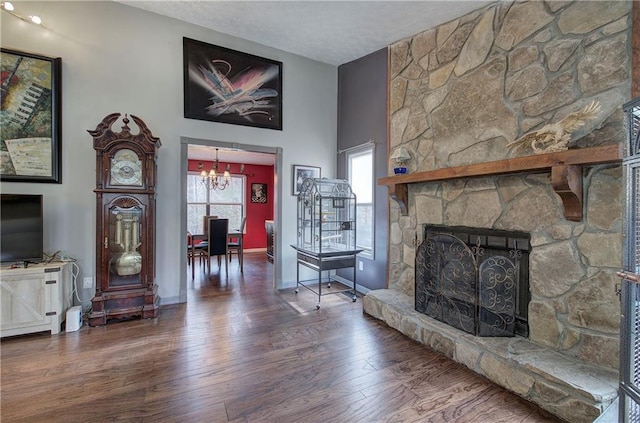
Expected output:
(239, 351)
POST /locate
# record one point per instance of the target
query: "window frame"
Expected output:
(208, 204)
(368, 252)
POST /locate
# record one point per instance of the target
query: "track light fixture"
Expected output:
(8, 7)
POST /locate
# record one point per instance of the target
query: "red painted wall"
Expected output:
(255, 234)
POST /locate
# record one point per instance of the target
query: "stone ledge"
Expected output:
(573, 390)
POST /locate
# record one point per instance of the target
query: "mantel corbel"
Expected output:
(566, 181)
(565, 168)
(400, 194)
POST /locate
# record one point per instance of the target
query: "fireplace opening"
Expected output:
(474, 279)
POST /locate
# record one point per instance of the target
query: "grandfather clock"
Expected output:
(126, 176)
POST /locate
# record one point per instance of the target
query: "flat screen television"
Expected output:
(21, 228)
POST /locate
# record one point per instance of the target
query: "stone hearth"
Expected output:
(568, 387)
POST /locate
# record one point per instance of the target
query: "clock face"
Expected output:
(126, 168)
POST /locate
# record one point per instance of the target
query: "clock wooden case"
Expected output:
(126, 177)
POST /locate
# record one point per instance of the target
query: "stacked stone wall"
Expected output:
(460, 92)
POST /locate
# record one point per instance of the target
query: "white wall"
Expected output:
(120, 59)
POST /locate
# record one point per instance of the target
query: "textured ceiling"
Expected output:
(333, 32)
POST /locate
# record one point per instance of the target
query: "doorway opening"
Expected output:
(204, 151)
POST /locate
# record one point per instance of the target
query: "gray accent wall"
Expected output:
(362, 116)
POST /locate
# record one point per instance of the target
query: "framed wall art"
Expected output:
(300, 173)
(30, 133)
(228, 86)
(258, 193)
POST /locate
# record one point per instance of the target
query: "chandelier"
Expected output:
(213, 179)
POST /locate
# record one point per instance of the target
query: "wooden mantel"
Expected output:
(565, 168)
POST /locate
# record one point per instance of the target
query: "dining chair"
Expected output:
(190, 254)
(205, 223)
(196, 247)
(217, 242)
(235, 244)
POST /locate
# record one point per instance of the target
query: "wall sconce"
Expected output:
(400, 155)
(242, 169)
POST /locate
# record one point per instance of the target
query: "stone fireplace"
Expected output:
(459, 93)
(476, 280)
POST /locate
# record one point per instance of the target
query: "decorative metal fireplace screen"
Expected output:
(476, 280)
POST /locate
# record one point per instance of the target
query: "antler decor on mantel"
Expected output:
(565, 167)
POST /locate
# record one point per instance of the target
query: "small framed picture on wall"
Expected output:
(300, 173)
(258, 193)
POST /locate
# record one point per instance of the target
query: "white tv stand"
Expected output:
(35, 298)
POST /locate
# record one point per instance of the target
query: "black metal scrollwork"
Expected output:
(474, 288)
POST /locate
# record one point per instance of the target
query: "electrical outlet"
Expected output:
(87, 282)
(360, 265)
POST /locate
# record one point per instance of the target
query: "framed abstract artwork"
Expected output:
(228, 86)
(30, 133)
(300, 173)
